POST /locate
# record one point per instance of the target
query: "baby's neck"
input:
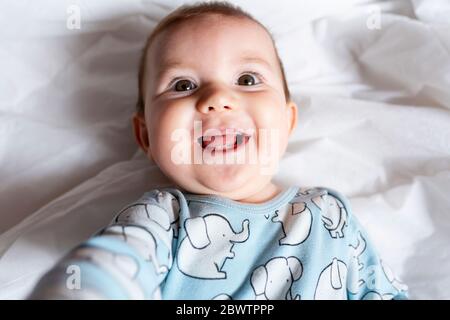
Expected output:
(270, 191)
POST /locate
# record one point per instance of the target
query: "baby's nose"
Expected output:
(216, 99)
(218, 108)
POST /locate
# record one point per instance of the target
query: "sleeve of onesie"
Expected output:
(368, 276)
(129, 259)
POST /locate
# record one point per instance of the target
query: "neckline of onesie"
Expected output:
(277, 201)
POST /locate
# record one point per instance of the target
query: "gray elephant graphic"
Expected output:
(331, 284)
(273, 281)
(142, 241)
(207, 244)
(334, 215)
(354, 281)
(296, 221)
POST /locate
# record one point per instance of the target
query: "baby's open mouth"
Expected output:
(224, 142)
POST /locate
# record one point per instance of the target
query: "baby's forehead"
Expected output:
(201, 37)
(212, 28)
(206, 21)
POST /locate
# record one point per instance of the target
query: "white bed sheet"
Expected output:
(374, 123)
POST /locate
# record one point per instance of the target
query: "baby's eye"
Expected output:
(184, 85)
(247, 80)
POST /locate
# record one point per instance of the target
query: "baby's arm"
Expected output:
(127, 260)
(368, 277)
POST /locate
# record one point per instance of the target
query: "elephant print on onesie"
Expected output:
(332, 282)
(222, 296)
(160, 216)
(296, 221)
(164, 212)
(355, 267)
(208, 243)
(273, 280)
(374, 275)
(334, 214)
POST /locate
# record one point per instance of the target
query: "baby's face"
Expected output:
(216, 114)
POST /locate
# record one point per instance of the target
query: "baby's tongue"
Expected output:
(218, 141)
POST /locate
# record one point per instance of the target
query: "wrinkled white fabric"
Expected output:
(371, 80)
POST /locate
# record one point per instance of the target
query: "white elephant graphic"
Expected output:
(334, 215)
(162, 213)
(222, 296)
(332, 282)
(354, 282)
(208, 243)
(273, 281)
(142, 241)
(296, 221)
(170, 203)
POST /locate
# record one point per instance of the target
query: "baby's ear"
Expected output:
(141, 133)
(291, 115)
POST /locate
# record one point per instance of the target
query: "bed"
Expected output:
(371, 79)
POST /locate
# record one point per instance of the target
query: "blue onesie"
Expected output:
(303, 244)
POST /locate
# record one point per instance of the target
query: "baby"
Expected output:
(215, 114)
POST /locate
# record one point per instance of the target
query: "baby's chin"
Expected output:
(235, 183)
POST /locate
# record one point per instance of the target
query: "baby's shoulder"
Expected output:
(329, 205)
(160, 205)
(321, 197)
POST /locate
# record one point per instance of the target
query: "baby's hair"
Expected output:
(187, 12)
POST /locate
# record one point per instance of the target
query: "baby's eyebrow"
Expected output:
(167, 65)
(253, 59)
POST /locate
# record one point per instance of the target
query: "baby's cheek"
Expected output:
(283, 143)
